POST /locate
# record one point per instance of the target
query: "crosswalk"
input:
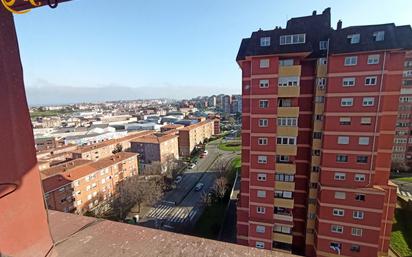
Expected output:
(172, 214)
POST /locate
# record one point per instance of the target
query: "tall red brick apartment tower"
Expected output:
(319, 114)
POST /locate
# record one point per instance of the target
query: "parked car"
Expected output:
(178, 179)
(199, 187)
(205, 152)
(192, 165)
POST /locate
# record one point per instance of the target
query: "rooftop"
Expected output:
(155, 138)
(193, 126)
(85, 236)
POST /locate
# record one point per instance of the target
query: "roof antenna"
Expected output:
(56, 3)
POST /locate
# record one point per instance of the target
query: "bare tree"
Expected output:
(400, 166)
(220, 187)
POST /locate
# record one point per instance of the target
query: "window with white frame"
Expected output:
(351, 60)
(263, 141)
(286, 62)
(292, 39)
(319, 99)
(368, 101)
(344, 120)
(284, 177)
(366, 121)
(323, 61)
(283, 194)
(263, 123)
(89, 197)
(379, 35)
(282, 158)
(260, 210)
(340, 176)
(345, 102)
(340, 195)
(336, 229)
(407, 73)
(338, 212)
(323, 45)
(260, 245)
(265, 41)
(261, 177)
(282, 229)
(321, 82)
(260, 229)
(359, 177)
(364, 140)
(358, 215)
(348, 82)
(286, 140)
(264, 83)
(264, 63)
(356, 232)
(341, 158)
(263, 104)
(373, 59)
(354, 38)
(288, 81)
(261, 194)
(287, 121)
(262, 159)
(371, 81)
(343, 140)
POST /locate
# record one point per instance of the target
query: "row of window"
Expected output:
(344, 140)
(342, 196)
(344, 158)
(353, 60)
(358, 215)
(348, 101)
(342, 176)
(339, 229)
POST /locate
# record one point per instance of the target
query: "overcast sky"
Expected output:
(95, 50)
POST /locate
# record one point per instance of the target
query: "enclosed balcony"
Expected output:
(287, 150)
(282, 185)
(283, 238)
(290, 71)
(286, 168)
(284, 202)
(288, 112)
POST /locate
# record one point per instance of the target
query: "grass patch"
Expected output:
(209, 223)
(35, 114)
(233, 169)
(230, 146)
(401, 237)
(407, 179)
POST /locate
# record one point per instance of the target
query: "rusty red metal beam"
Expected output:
(21, 5)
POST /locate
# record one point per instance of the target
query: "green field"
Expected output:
(230, 146)
(35, 114)
(401, 237)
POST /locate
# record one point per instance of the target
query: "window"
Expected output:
(260, 210)
(317, 135)
(370, 81)
(340, 195)
(287, 122)
(366, 121)
(262, 159)
(338, 212)
(351, 60)
(263, 123)
(343, 140)
(282, 158)
(358, 215)
(407, 82)
(79, 202)
(407, 74)
(263, 104)
(292, 39)
(323, 45)
(260, 229)
(88, 188)
(288, 81)
(368, 101)
(379, 35)
(348, 82)
(284, 177)
(263, 83)
(282, 229)
(319, 117)
(260, 245)
(341, 158)
(263, 141)
(261, 193)
(373, 59)
(346, 102)
(282, 102)
(265, 41)
(337, 247)
(89, 197)
(321, 83)
(354, 38)
(340, 176)
(355, 248)
(283, 194)
(286, 62)
(364, 140)
(264, 63)
(316, 169)
(356, 232)
(362, 159)
(360, 197)
(344, 120)
(323, 61)
(286, 140)
(336, 229)
(261, 177)
(76, 183)
(319, 99)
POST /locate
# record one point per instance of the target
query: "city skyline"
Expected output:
(164, 57)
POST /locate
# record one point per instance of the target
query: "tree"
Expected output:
(117, 149)
(400, 166)
(220, 187)
(231, 121)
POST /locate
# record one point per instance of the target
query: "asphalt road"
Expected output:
(180, 208)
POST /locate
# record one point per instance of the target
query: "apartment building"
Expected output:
(402, 149)
(192, 135)
(80, 185)
(318, 121)
(159, 147)
(104, 149)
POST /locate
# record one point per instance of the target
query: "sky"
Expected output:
(96, 50)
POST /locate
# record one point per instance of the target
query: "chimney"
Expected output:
(339, 25)
(314, 13)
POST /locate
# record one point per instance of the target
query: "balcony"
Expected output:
(316, 144)
(287, 131)
(287, 150)
(321, 70)
(293, 91)
(287, 168)
(287, 186)
(288, 112)
(284, 238)
(283, 217)
(284, 203)
(290, 71)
